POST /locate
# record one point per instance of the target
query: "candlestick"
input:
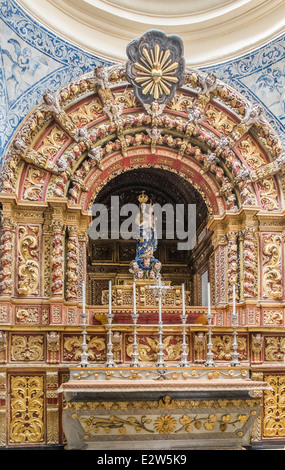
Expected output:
(110, 355)
(83, 296)
(234, 299)
(160, 354)
(235, 354)
(134, 315)
(183, 299)
(110, 297)
(184, 362)
(209, 359)
(209, 299)
(134, 298)
(84, 354)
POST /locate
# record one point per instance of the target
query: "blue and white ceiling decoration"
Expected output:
(34, 60)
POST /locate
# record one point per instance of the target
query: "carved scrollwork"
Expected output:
(34, 184)
(27, 348)
(27, 408)
(28, 257)
(268, 194)
(274, 421)
(148, 348)
(272, 277)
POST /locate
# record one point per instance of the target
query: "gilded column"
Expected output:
(7, 256)
(46, 257)
(82, 269)
(220, 286)
(72, 264)
(232, 263)
(250, 263)
(57, 259)
(241, 274)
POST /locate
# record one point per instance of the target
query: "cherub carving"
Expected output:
(19, 146)
(61, 164)
(194, 115)
(95, 155)
(100, 77)
(154, 133)
(208, 83)
(154, 109)
(253, 115)
(114, 110)
(82, 134)
(51, 103)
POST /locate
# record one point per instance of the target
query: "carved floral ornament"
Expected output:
(152, 110)
(155, 67)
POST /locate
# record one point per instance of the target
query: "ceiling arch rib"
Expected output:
(87, 132)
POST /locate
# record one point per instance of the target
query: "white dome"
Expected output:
(213, 31)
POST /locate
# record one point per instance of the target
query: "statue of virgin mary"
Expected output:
(147, 241)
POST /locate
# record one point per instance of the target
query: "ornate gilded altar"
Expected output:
(207, 144)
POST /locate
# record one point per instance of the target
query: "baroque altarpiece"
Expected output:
(121, 130)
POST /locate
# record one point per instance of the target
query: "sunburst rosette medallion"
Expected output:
(155, 67)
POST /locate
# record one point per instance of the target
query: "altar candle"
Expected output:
(234, 299)
(110, 297)
(134, 296)
(83, 296)
(209, 299)
(183, 299)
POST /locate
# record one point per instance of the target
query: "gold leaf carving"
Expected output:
(96, 347)
(272, 278)
(275, 348)
(34, 184)
(274, 403)
(27, 348)
(148, 348)
(86, 113)
(268, 194)
(222, 346)
(251, 153)
(52, 143)
(28, 281)
(219, 120)
(27, 410)
(165, 424)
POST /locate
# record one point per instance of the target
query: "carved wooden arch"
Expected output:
(165, 159)
(50, 154)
